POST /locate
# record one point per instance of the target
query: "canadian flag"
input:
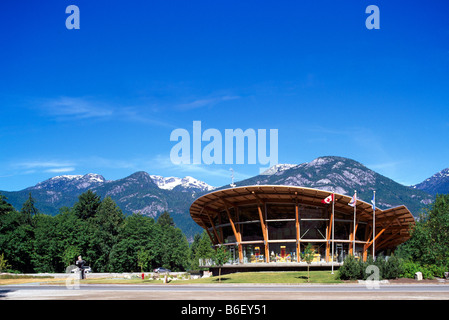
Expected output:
(328, 199)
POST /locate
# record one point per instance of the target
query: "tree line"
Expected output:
(427, 250)
(96, 229)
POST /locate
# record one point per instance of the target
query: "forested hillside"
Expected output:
(98, 230)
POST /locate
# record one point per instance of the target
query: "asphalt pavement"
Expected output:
(229, 292)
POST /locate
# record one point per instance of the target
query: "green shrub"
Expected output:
(363, 265)
(351, 269)
(382, 264)
(393, 268)
(437, 271)
(428, 271)
(409, 268)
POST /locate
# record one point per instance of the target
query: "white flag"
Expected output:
(353, 201)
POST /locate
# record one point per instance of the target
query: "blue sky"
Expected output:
(105, 98)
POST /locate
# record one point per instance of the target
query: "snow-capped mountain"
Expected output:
(278, 168)
(152, 194)
(169, 183)
(344, 176)
(438, 183)
(140, 192)
(70, 181)
(92, 180)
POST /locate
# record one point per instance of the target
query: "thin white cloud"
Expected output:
(42, 164)
(134, 114)
(199, 103)
(82, 108)
(385, 165)
(60, 170)
(69, 108)
(28, 167)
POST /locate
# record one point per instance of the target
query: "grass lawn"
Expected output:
(20, 279)
(294, 277)
(272, 277)
(243, 277)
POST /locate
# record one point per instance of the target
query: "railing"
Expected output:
(211, 262)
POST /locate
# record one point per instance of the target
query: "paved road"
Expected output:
(226, 292)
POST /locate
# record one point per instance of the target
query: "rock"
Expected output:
(418, 276)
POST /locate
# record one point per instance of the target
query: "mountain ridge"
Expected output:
(344, 176)
(152, 194)
(438, 183)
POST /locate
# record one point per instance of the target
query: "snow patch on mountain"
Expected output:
(91, 180)
(169, 183)
(277, 168)
(321, 161)
(79, 181)
(436, 184)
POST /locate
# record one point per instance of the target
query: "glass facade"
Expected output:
(284, 232)
(263, 224)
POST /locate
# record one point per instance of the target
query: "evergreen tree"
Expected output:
(16, 236)
(71, 231)
(429, 242)
(136, 232)
(70, 255)
(438, 225)
(29, 210)
(351, 269)
(46, 245)
(103, 231)
(5, 207)
(165, 220)
(175, 249)
(97, 230)
(87, 205)
(201, 248)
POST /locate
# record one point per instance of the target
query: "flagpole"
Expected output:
(333, 223)
(374, 225)
(353, 229)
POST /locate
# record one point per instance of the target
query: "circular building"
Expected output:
(273, 224)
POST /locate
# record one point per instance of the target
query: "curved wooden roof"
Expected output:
(395, 222)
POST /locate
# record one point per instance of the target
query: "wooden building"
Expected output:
(273, 224)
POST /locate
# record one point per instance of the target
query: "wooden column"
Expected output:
(236, 233)
(386, 240)
(264, 232)
(220, 229)
(328, 236)
(368, 235)
(298, 234)
(350, 239)
(239, 232)
(215, 230)
(386, 224)
(263, 225)
(207, 231)
(367, 245)
(352, 236)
